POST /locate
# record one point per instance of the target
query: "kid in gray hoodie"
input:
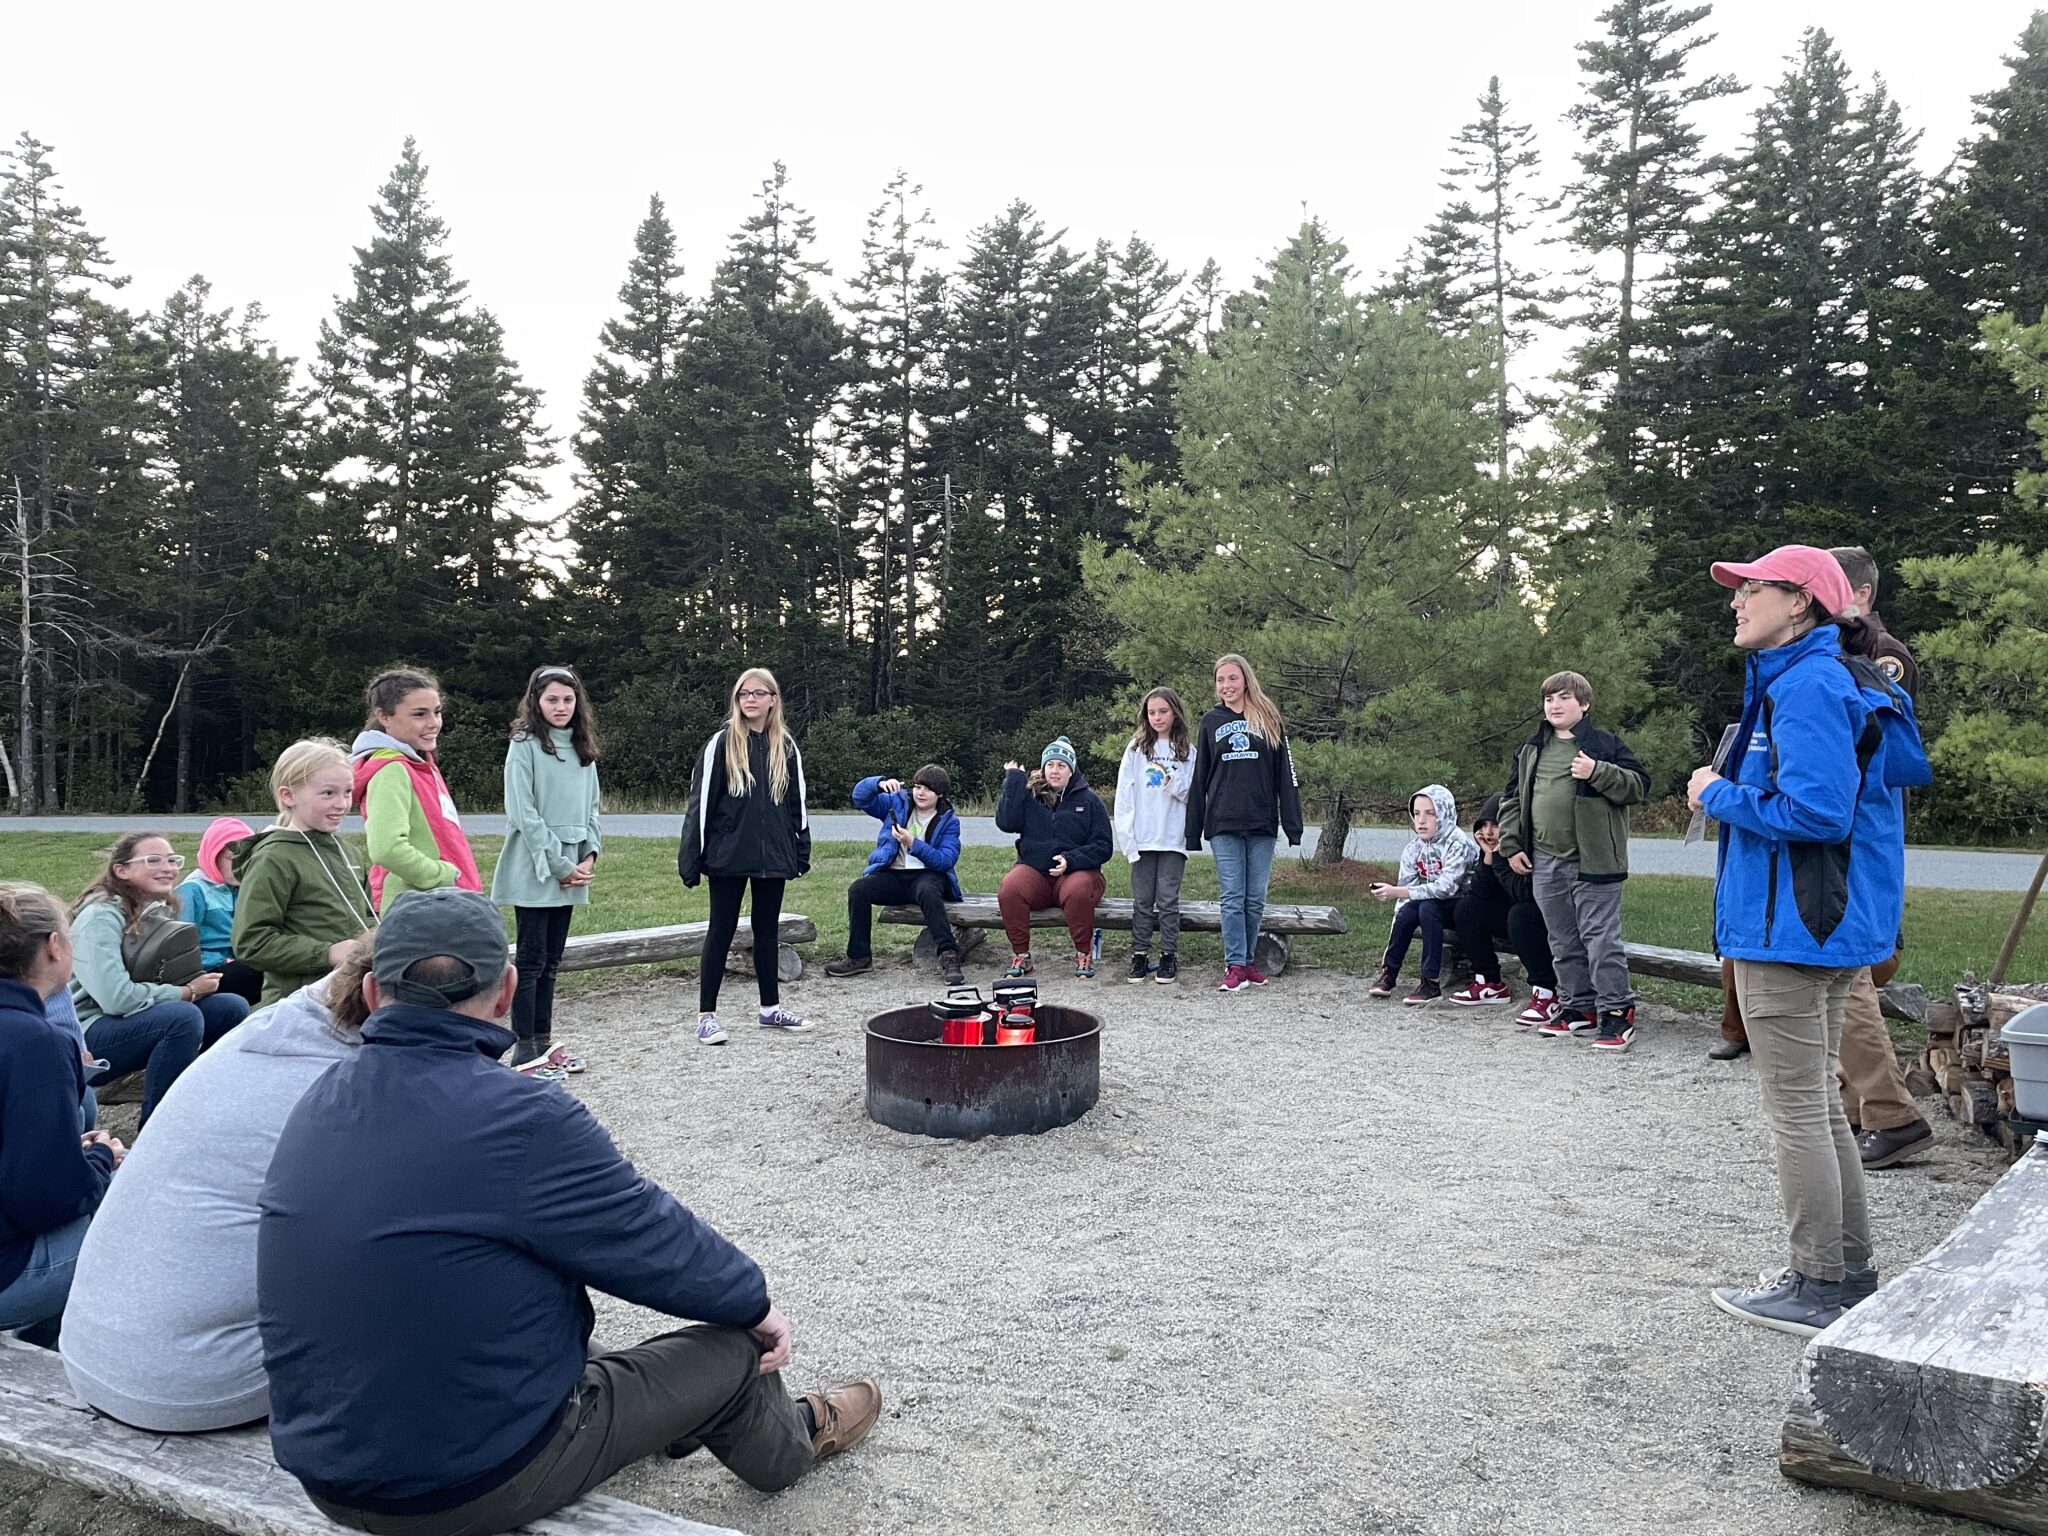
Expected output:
(1436, 868)
(160, 1332)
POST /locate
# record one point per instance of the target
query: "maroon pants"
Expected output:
(1026, 890)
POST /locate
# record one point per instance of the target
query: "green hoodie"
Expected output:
(302, 892)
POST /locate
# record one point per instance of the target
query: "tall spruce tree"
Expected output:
(1642, 183)
(1766, 414)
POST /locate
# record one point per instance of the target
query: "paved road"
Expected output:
(1938, 868)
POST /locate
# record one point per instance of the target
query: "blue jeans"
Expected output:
(161, 1041)
(1430, 915)
(1243, 866)
(34, 1302)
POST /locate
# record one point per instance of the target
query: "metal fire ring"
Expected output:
(919, 1085)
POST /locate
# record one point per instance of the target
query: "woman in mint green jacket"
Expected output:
(551, 846)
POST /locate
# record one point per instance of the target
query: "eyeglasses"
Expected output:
(1750, 589)
(159, 860)
(754, 693)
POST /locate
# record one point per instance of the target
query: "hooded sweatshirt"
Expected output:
(46, 1180)
(1244, 785)
(1151, 814)
(1440, 867)
(206, 897)
(160, 1331)
(409, 819)
(301, 894)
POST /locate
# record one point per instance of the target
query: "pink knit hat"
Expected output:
(214, 839)
(1813, 571)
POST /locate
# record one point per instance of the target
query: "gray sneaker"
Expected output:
(1791, 1303)
(1887, 1149)
(1859, 1283)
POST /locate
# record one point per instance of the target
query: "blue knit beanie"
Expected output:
(1061, 750)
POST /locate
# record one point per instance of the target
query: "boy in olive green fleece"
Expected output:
(1564, 821)
(301, 895)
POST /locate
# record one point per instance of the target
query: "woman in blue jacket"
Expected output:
(52, 1176)
(915, 851)
(1811, 889)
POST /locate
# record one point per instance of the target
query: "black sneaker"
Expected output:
(1859, 1283)
(1426, 991)
(1617, 1029)
(853, 965)
(1384, 987)
(949, 967)
(1169, 969)
(1141, 968)
(1885, 1149)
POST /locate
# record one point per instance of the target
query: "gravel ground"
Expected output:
(1313, 1264)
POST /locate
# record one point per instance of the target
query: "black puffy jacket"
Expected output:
(744, 834)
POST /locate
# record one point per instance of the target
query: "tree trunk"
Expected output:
(1336, 830)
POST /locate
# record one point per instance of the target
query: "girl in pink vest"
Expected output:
(409, 820)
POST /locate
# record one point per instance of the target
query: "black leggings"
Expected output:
(726, 891)
(244, 981)
(541, 932)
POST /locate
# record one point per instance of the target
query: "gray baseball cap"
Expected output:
(421, 925)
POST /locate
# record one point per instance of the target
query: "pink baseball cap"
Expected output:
(1813, 571)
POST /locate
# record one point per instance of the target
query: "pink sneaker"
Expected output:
(1253, 974)
(1233, 979)
(1541, 1010)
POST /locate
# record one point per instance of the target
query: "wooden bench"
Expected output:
(1935, 1391)
(681, 941)
(227, 1479)
(1277, 929)
(1897, 1000)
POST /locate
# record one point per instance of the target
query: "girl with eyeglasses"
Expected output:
(149, 1026)
(550, 854)
(746, 824)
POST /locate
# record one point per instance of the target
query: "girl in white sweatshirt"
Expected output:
(1151, 820)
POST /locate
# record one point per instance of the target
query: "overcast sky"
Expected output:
(245, 142)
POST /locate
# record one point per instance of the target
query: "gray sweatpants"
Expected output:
(1584, 923)
(1155, 899)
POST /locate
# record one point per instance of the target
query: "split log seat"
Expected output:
(973, 916)
(1935, 1391)
(681, 941)
(227, 1479)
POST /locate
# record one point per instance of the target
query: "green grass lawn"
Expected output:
(1947, 931)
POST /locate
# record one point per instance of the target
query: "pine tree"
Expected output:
(1642, 185)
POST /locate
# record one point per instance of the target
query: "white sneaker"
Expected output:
(782, 1021)
(556, 1057)
(709, 1032)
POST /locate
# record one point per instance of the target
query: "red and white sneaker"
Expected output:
(1479, 991)
(1541, 1010)
(1253, 974)
(1233, 979)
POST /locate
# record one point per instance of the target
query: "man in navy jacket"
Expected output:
(429, 1224)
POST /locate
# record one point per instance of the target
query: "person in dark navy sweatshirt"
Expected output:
(1063, 840)
(428, 1227)
(53, 1174)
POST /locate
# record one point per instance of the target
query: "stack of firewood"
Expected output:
(1969, 1066)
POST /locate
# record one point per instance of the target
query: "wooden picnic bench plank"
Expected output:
(1899, 1000)
(226, 1479)
(1935, 1391)
(1116, 912)
(681, 941)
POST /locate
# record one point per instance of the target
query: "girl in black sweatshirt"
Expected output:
(1244, 792)
(746, 822)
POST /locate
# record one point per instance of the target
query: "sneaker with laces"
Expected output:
(1020, 965)
(1426, 991)
(1141, 968)
(709, 1030)
(1169, 969)
(783, 1022)
(1479, 991)
(1791, 1303)
(1253, 974)
(850, 965)
(1384, 986)
(559, 1057)
(541, 1072)
(1567, 1022)
(1233, 980)
(949, 967)
(1084, 967)
(1617, 1029)
(1541, 1010)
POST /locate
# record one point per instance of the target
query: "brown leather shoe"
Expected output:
(843, 1415)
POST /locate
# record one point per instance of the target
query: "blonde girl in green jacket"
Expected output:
(552, 842)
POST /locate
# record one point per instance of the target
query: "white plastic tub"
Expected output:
(2026, 1038)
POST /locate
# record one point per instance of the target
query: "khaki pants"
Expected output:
(1794, 1014)
(700, 1386)
(1873, 1085)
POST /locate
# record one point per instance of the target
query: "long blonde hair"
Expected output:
(739, 777)
(297, 764)
(1260, 711)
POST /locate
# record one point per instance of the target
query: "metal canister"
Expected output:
(960, 1014)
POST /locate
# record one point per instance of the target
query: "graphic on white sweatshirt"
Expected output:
(1151, 812)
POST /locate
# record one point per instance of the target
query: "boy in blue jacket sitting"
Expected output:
(915, 851)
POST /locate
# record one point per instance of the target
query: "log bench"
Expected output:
(227, 1479)
(973, 916)
(1897, 1000)
(1935, 1391)
(681, 941)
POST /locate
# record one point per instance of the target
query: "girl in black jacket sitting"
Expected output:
(746, 821)
(1063, 840)
(1501, 905)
